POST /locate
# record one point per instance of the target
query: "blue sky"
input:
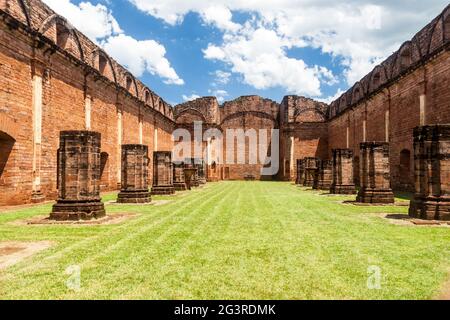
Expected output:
(268, 48)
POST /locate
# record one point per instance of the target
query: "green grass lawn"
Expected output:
(232, 240)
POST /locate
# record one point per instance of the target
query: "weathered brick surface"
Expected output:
(311, 167)
(432, 173)
(300, 172)
(324, 175)
(79, 177)
(375, 173)
(134, 174)
(162, 173)
(343, 182)
(179, 179)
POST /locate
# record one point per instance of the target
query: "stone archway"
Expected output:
(6, 146)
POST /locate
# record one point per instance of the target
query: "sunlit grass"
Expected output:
(232, 240)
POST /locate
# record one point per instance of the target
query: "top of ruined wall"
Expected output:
(207, 110)
(38, 18)
(428, 42)
(295, 109)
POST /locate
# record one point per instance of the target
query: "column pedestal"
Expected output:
(79, 177)
(343, 182)
(432, 173)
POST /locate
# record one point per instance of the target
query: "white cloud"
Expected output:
(190, 98)
(330, 99)
(95, 21)
(219, 94)
(222, 78)
(141, 56)
(98, 23)
(358, 32)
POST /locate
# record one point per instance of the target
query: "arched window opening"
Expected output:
(102, 63)
(62, 35)
(6, 147)
(104, 176)
(405, 59)
(356, 171)
(405, 168)
(147, 98)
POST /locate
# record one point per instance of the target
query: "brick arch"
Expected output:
(146, 96)
(433, 30)
(99, 52)
(299, 112)
(446, 24)
(25, 8)
(8, 126)
(258, 114)
(378, 70)
(127, 76)
(357, 88)
(56, 18)
(191, 111)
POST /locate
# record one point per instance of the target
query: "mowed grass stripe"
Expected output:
(236, 240)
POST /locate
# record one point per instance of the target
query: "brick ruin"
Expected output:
(300, 172)
(310, 171)
(324, 175)
(179, 178)
(162, 173)
(134, 187)
(343, 182)
(48, 69)
(375, 174)
(79, 177)
(432, 173)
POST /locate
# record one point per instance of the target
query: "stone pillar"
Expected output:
(79, 177)
(134, 174)
(201, 170)
(324, 175)
(179, 181)
(311, 166)
(343, 182)
(375, 173)
(190, 164)
(300, 172)
(432, 173)
(162, 173)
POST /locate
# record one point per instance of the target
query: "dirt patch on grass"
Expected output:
(405, 220)
(153, 203)
(360, 204)
(108, 220)
(445, 294)
(13, 252)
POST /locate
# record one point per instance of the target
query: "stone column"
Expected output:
(311, 166)
(134, 174)
(179, 181)
(201, 170)
(79, 177)
(300, 172)
(162, 173)
(432, 173)
(324, 175)
(343, 182)
(375, 173)
(190, 164)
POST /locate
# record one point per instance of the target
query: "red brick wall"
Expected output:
(69, 74)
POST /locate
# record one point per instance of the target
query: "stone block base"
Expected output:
(75, 211)
(179, 186)
(163, 190)
(37, 197)
(322, 185)
(343, 189)
(430, 209)
(375, 196)
(214, 179)
(202, 181)
(134, 197)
